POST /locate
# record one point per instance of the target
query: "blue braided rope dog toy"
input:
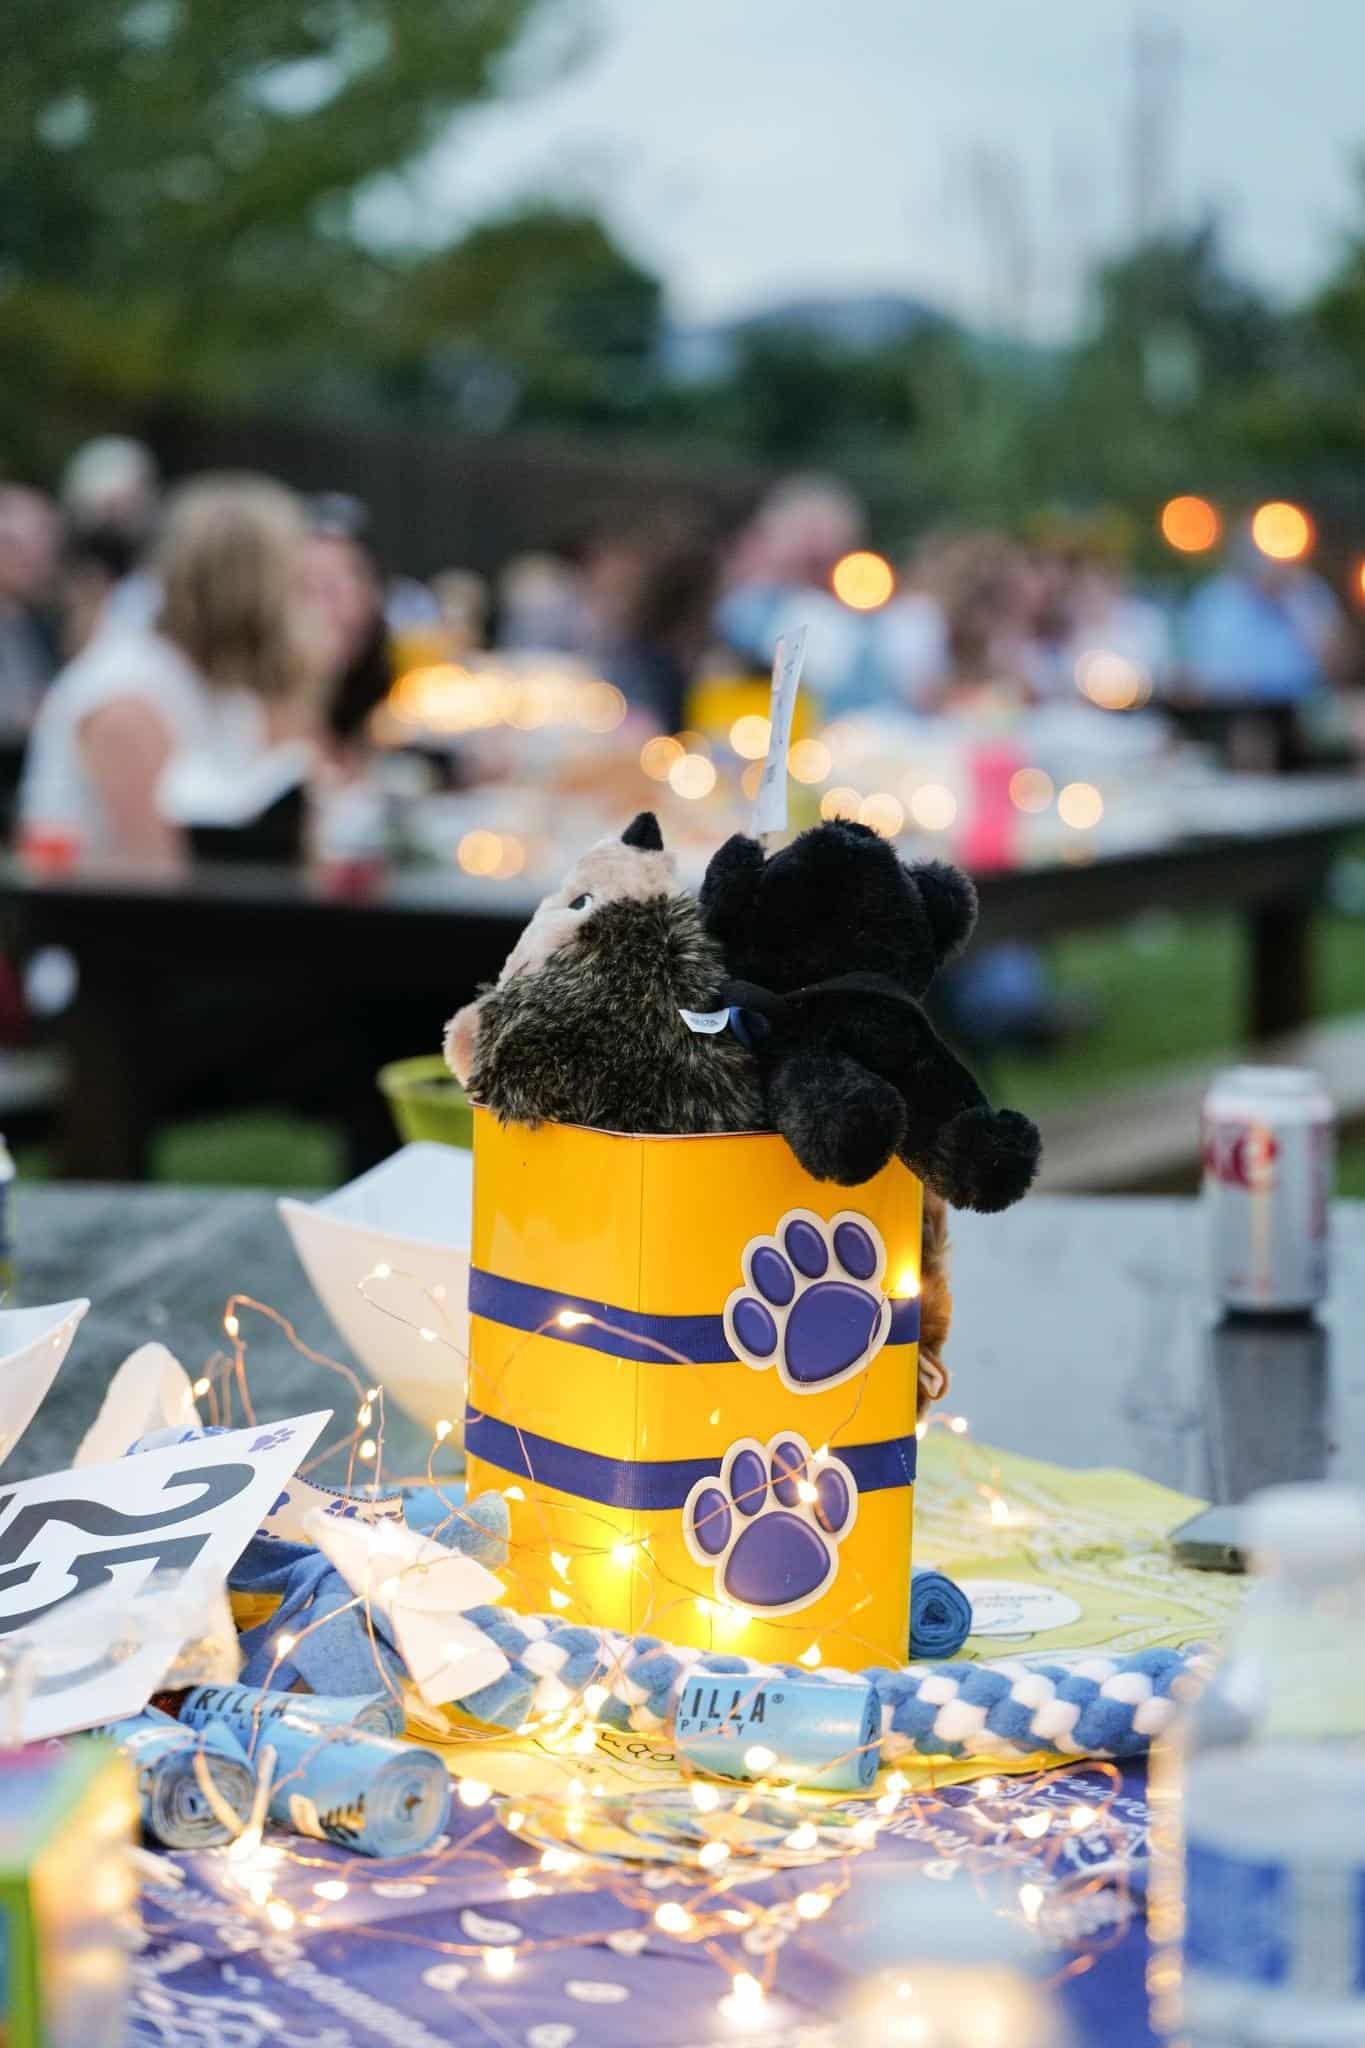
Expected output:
(1086, 1705)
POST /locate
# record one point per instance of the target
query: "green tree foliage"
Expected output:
(537, 314)
(179, 183)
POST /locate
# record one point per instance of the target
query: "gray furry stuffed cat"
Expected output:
(583, 1025)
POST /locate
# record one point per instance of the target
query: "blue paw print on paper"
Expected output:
(771, 1524)
(812, 1304)
(270, 1441)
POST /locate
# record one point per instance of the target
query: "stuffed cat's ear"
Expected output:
(730, 883)
(461, 1042)
(949, 901)
(643, 832)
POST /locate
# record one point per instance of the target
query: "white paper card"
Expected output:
(770, 807)
(189, 1507)
(422, 1591)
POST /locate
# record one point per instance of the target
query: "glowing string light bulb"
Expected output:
(745, 1999)
(671, 1918)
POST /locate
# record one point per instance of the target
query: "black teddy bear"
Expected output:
(829, 944)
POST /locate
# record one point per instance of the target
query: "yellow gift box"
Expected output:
(693, 1375)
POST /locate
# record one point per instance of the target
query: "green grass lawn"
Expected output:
(1166, 990)
(1170, 990)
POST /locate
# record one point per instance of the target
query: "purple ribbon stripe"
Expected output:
(649, 1340)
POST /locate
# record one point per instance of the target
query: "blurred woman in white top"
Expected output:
(224, 676)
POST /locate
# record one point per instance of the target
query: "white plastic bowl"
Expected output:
(388, 1256)
(33, 1344)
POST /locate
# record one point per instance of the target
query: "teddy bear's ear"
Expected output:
(729, 883)
(949, 901)
(643, 832)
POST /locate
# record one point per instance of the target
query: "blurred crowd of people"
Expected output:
(231, 625)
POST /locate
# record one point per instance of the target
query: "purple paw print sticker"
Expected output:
(812, 1303)
(771, 1524)
(270, 1440)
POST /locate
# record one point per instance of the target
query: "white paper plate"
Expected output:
(33, 1343)
(412, 1214)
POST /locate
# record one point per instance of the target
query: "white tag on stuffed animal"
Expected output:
(706, 1023)
(770, 806)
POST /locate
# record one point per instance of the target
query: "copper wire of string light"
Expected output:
(714, 1913)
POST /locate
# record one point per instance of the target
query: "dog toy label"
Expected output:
(811, 1733)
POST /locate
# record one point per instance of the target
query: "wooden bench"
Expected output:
(1143, 1137)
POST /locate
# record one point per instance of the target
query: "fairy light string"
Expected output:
(718, 1901)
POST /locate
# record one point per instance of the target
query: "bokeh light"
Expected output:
(601, 707)
(480, 852)
(749, 736)
(692, 776)
(1111, 680)
(883, 812)
(1031, 789)
(658, 755)
(841, 803)
(1358, 581)
(750, 780)
(862, 580)
(1190, 525)
(809, 761)
(1282, 531)
(1080, 805)
(933, 806)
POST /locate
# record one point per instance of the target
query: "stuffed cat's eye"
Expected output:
(583, 902)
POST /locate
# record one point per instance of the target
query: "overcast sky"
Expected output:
(749, 149)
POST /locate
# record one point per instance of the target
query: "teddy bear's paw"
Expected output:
(985, 1159)
(842, 1122)
(812, 1304)
(771, 1523)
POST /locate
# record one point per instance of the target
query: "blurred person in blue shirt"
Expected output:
(778, 579)
(1262, 630)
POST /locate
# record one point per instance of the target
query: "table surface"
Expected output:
(1082, 1331)
(1082, 1335)
(1243, 813)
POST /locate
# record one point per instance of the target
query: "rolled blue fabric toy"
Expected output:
(250, 1714)
(940, 1614)
(175, 1811)
(364, 1792)
(339, 1784)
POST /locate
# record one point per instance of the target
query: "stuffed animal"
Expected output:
(830, 944)
(584, 1024)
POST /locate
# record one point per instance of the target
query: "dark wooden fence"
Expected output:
(441, 500)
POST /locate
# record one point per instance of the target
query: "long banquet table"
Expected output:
(237, 985)
(1082, 1336)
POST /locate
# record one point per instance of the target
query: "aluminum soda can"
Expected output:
(1268, 1143)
